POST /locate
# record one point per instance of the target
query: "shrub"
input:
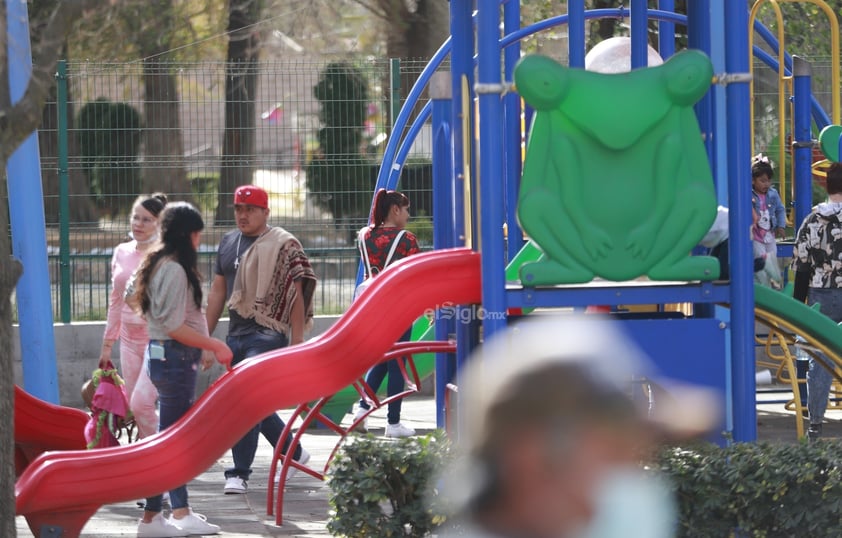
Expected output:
(758, 490)
(746, 490)
(381, 487)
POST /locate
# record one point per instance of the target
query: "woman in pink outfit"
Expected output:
(124, 324)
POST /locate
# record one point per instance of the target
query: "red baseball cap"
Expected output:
(251, 195)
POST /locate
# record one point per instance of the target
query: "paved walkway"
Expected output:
(305, 499)
(306, 505)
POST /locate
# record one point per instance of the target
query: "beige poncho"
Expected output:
(264, 286)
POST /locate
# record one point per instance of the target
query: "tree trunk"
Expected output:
(238, 148)
(413, 35)
(10, 271)
(163, 167)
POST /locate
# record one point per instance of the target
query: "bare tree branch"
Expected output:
(375, 8)
(25, 115)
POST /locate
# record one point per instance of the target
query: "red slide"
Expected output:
(41, 426)
(64, 489)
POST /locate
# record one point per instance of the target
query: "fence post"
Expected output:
(63, 193)
(395, 94)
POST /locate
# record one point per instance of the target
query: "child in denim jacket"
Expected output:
(770, 222)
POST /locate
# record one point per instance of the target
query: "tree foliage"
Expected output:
(339, 175)
(109, 143)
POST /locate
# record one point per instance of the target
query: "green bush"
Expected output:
(422, 226)
(382, 487)
(758, 490)
(746, 490)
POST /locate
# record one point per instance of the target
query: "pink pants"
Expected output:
(143, 396)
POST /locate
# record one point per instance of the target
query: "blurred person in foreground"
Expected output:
(553, 441)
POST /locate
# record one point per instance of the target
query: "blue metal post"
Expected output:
(639, 34)
(29, 238)
(576, 33)
(441, 94)
(739, 190)
(512, 154)
(666, 31)
(698, 37)
(490, 183)
(461, 68)
(802, 139)
(719, 133)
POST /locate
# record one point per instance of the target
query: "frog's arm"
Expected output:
(571, 191)
(642, 238)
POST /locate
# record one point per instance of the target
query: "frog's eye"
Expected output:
(688, 76)
(541, 81)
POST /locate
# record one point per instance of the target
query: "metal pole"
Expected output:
(395, 90)
(512, 153)
(666, 31)
(490, 214)
(63, 193)
(639, 34)
(441, 95)
(802, 139)
(741, 258)
(576, 33)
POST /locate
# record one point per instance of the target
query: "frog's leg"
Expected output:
(680, 234)
(544, 215)
(552, 230)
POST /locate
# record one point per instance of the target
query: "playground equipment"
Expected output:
(475, 113)
(48, 491)
(786, 80)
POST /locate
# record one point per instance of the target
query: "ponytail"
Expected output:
(383, 202)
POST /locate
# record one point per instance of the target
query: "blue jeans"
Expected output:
(246, 346)
(395, 385)
(175, 378)
(819, 378)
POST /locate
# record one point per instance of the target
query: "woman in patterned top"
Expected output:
(817, 261)
(389, 215)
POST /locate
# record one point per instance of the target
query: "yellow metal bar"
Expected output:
(782, 85)
(785, 83)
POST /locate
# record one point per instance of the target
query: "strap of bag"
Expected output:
(364, 250)
(395, 242)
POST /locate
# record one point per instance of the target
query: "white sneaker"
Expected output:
(399, 430)
(159, 528)
(165, 498)
(292, 471)
(234, 485)
(194, 523)
(362, 427)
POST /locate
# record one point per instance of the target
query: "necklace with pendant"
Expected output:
(239, 238)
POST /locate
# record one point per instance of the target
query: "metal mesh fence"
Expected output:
(138, 127)
(197, 130)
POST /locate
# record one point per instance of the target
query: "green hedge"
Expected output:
(758, 490)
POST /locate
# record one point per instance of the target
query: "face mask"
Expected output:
(631, 502)
(152, 239)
